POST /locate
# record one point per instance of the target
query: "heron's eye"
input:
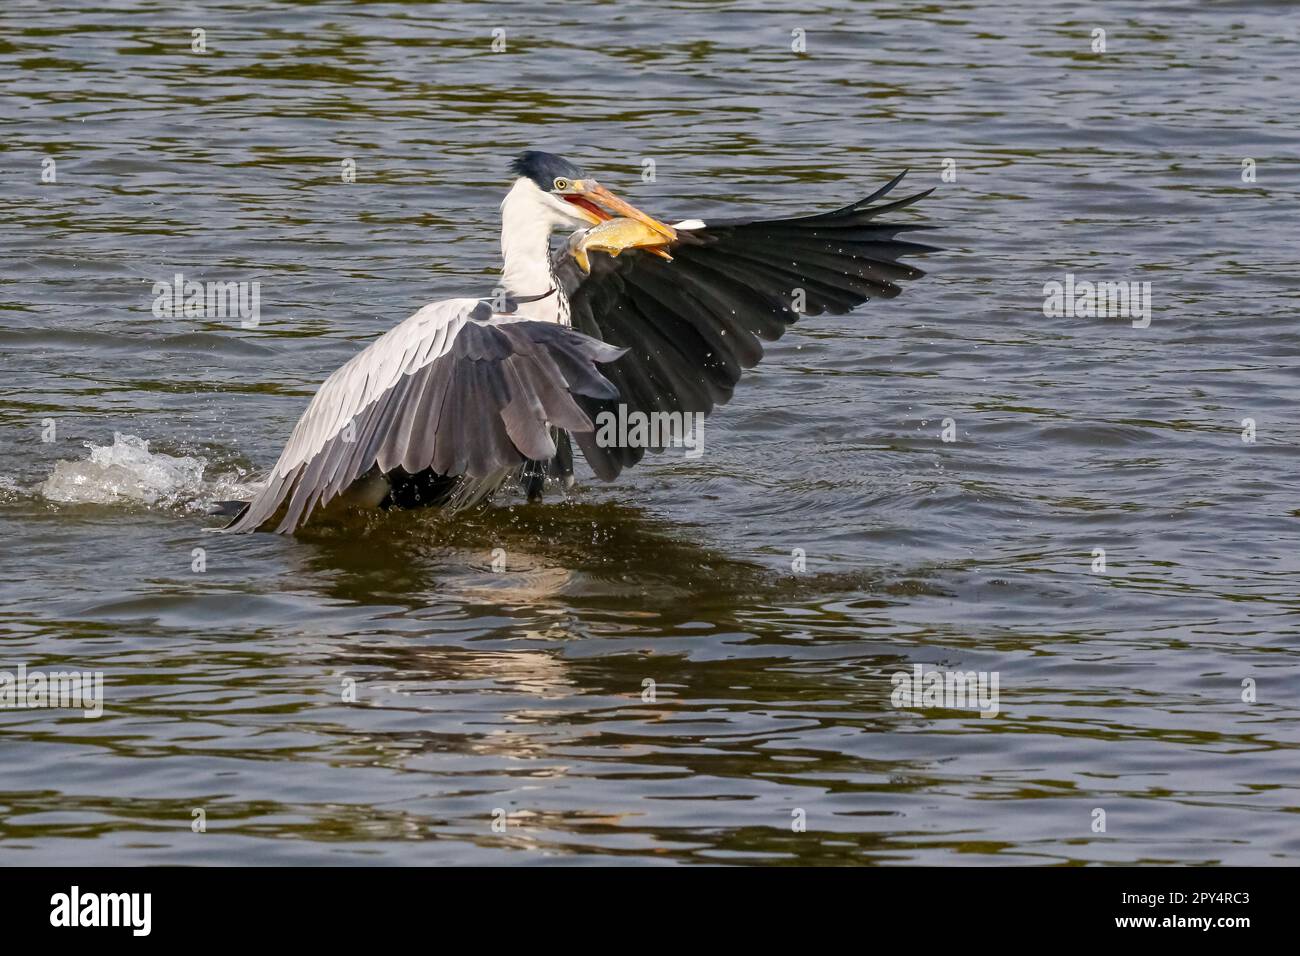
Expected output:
(562, 184)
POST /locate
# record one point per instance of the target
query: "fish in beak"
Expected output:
(614, 236)
(600, 205)
(616, 225)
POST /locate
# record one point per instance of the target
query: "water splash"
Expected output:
(127, 471)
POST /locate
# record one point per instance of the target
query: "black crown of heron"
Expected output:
(629, 315)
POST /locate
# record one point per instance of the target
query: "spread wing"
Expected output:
(692, 325)
(453, 389)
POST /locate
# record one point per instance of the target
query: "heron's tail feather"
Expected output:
(228, 509)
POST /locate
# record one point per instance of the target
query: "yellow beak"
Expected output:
(600, 205)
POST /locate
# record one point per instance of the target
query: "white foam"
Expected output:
(127, 471)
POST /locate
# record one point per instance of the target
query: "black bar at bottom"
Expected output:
(332, 906)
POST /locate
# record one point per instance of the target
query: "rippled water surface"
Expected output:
(518, 695)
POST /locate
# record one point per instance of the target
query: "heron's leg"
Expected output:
(532, 479)
(561, 466)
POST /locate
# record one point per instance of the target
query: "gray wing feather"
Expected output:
(483, 403)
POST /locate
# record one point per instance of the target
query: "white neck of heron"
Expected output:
(527, 221)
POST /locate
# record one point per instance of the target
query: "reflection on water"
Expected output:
(676, 667)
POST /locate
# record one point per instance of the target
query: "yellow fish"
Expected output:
(615, 235)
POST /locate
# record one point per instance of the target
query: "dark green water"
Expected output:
(521, 691)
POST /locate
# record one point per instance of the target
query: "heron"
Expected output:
(630, 316)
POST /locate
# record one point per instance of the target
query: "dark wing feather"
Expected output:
(692, 325)
(482, 408)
